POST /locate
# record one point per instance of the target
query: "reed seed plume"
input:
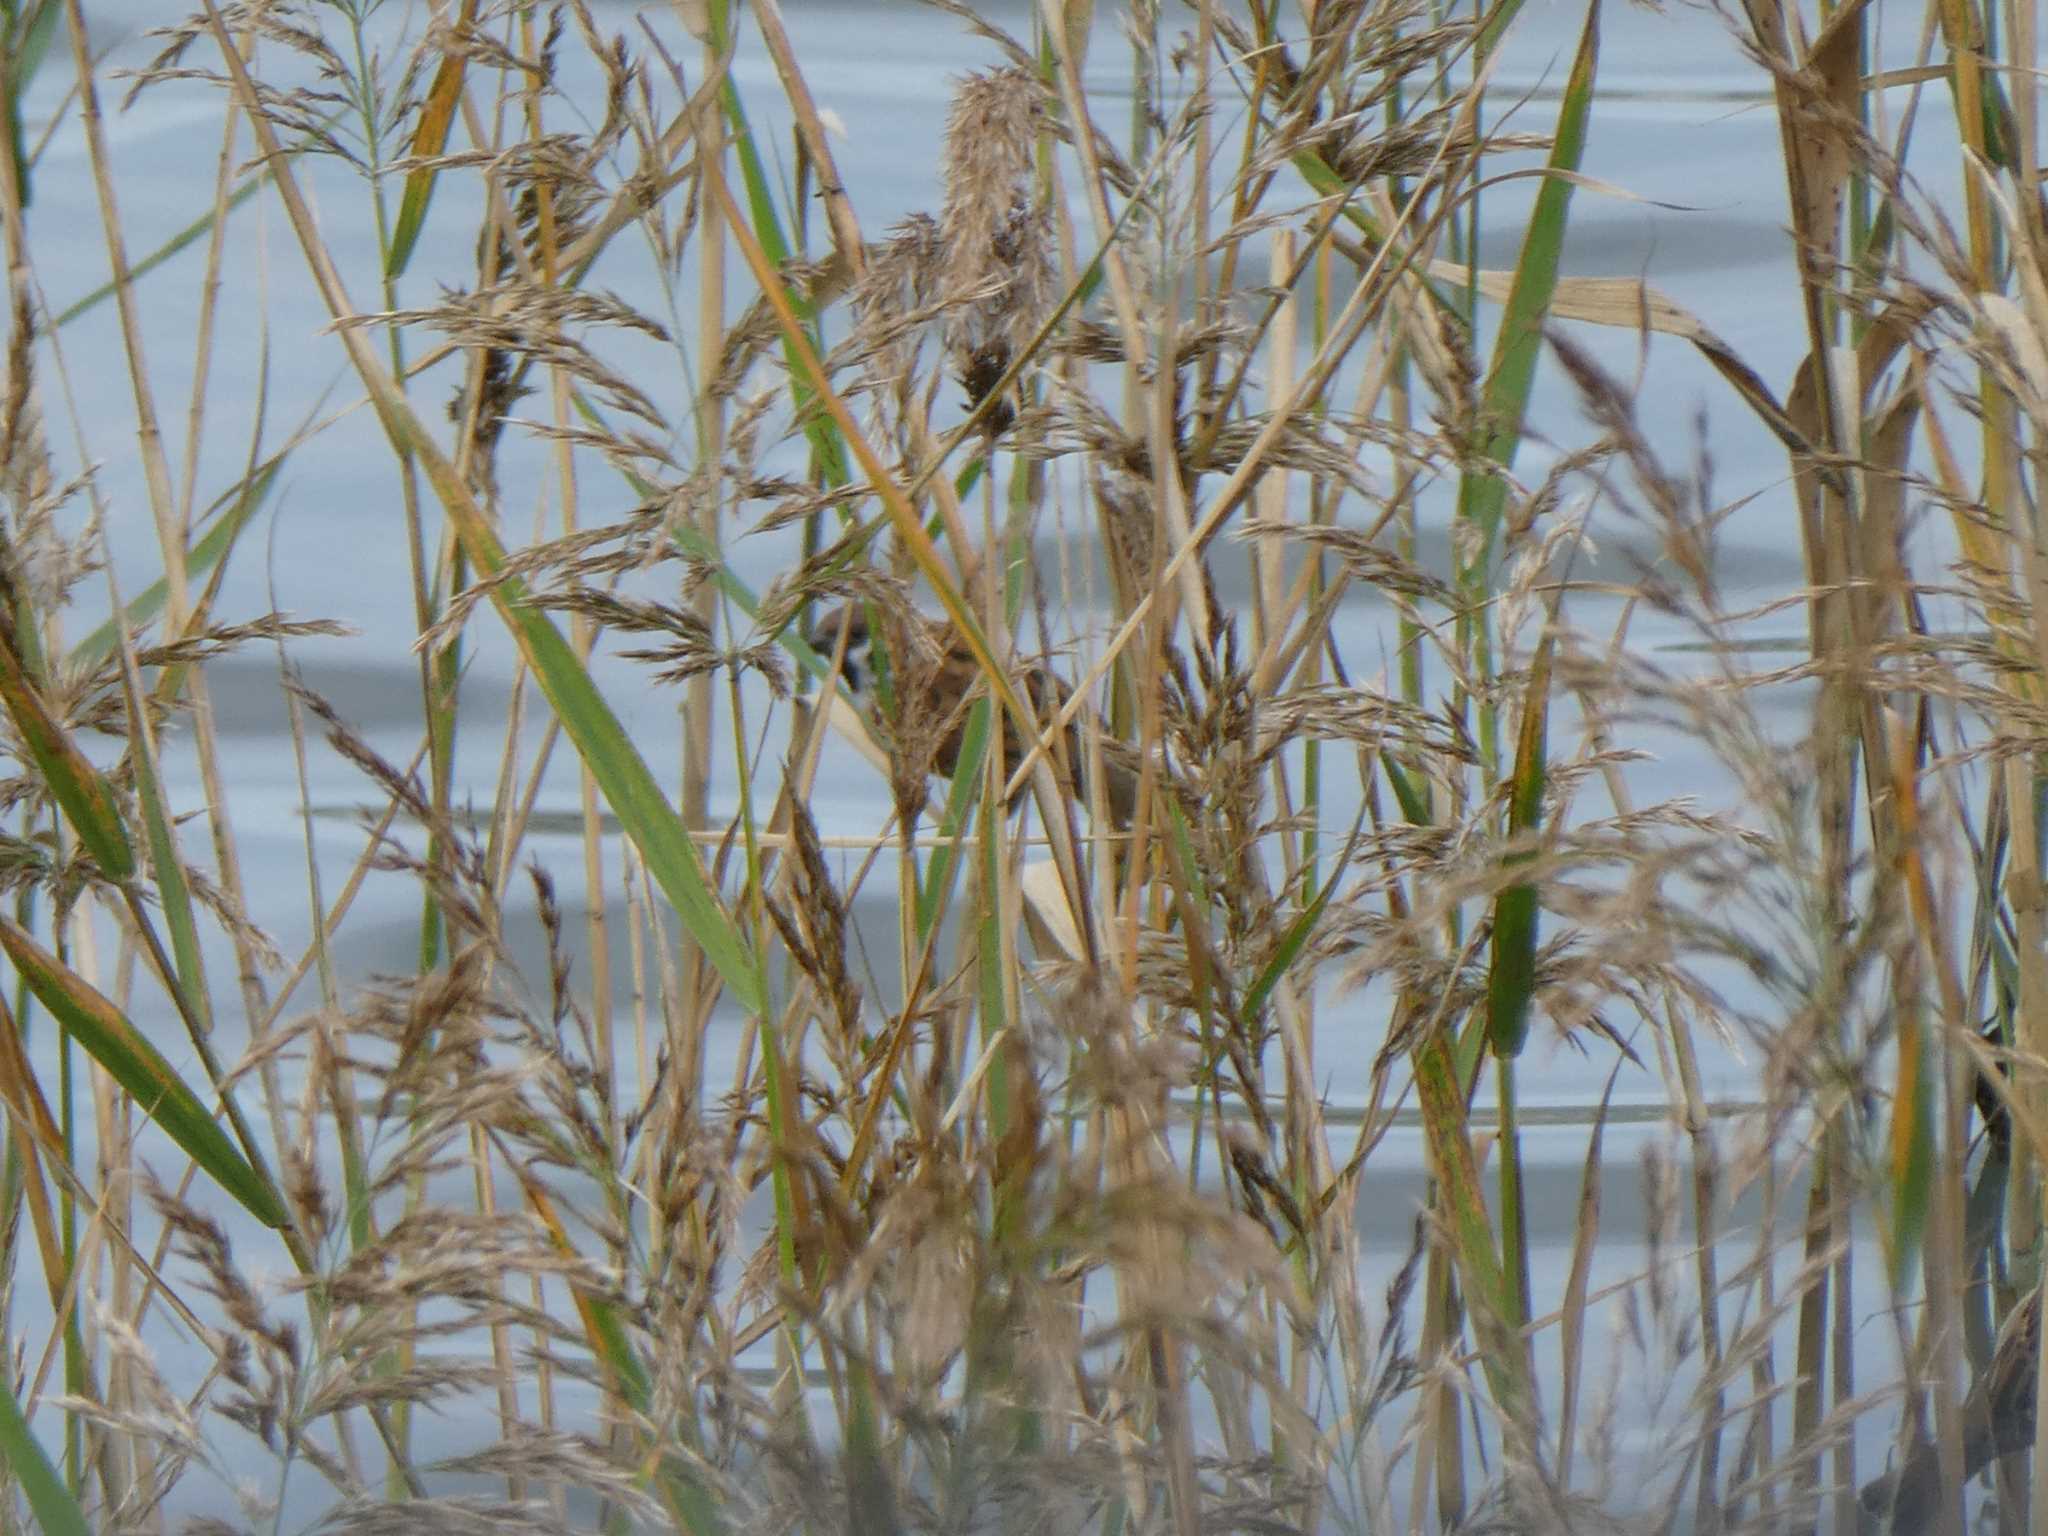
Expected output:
(995, 231)
(896, 305)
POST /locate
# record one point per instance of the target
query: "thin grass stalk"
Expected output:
(582, 641)
(590, 722)
(1203, 195)
(1269, 620)
(909, 527)
(441, 670)
(1322, 512)
(1585, 1234)
(149, 437)
(710, 424)
(1359, 310)
(484, 1185)
(839, 210)
(2028, 1199)
(1488, 1289)
(1310, 1176)
(1123, 295)
(1706, 1165)
(781, 1067)
(1944, 1249)
(827, 447)
(1440, 1458)
(1269, 555)
(1816, 167)
(35, 1128)
(1512, 370)
(55, 1503)
(1695, 1121)
(157, 478)
(680, 1489)
(180, 612)
(550, 275)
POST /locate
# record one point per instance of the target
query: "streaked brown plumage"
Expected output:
(934, 679)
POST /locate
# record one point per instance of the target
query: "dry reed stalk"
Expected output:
(710, 423)
(158, 482)
(182, 613)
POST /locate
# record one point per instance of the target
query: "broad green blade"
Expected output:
(76, 785)
(962, 796)
(1495, 27)
(1414, 808)
(643, 811)
(115, 1043)
(26, 43)
(56, 1512)
(1300, 929)
(1508, 381)
(1511, 981)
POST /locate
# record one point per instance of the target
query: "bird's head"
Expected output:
(857, 663)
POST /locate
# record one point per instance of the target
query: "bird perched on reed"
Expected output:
(934, 680)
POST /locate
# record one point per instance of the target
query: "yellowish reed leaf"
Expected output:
(1883, 522)
(1045, 903)
(963, 1101)
(1632, 304)
(695, 15)
(2020, 332)
(852, 724)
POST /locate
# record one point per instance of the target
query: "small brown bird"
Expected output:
(934, 679)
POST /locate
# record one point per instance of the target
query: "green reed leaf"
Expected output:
(1495, 27)
(56, 1512)
(1481, 497)
(115, 1043)
(77, 786)
(1911, 1162)
(826, 443)
(205, 553)
(1511, 979)
(1414, 805)
(171, 247)
(1304, 925)
(963, 793)
(1441, 1097)
(643, 810)
(173, 891)
(24, 44)
(1585, 1242)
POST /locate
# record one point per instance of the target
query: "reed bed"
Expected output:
(1034, 1216)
